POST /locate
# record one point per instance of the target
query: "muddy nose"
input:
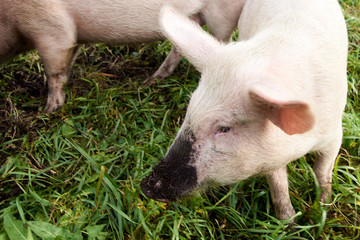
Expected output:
(154, 188)
(174, 176)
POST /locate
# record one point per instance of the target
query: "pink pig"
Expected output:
(55, 28)
(262, 102)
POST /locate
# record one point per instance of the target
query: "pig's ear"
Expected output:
(188, 37)
(293, 116)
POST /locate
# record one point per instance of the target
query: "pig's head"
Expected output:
(236, 120)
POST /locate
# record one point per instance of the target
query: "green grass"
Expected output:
(75, 174)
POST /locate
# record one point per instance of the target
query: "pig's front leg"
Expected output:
(324, 165)
(57, 66)
(57, 46)
(279, 190)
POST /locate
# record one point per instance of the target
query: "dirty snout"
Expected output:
(174, 176)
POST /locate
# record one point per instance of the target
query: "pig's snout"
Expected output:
(158, 187)
(174, 176)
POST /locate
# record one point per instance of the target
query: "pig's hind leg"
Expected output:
(166, 68)
(171, 61)
(221, 25)
(279, 190)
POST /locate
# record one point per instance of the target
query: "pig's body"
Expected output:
(55, 28)
(262, 102)
(136, 21)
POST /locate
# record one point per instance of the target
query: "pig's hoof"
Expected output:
(54, 102)
(151, 81)
(285, 213)
(50, 108)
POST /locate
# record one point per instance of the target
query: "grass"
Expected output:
(75, 174)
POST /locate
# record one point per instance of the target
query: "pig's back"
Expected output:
(123, 21)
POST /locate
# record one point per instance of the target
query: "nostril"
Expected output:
(158, 184)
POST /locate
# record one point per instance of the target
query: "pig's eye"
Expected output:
(223, 129)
